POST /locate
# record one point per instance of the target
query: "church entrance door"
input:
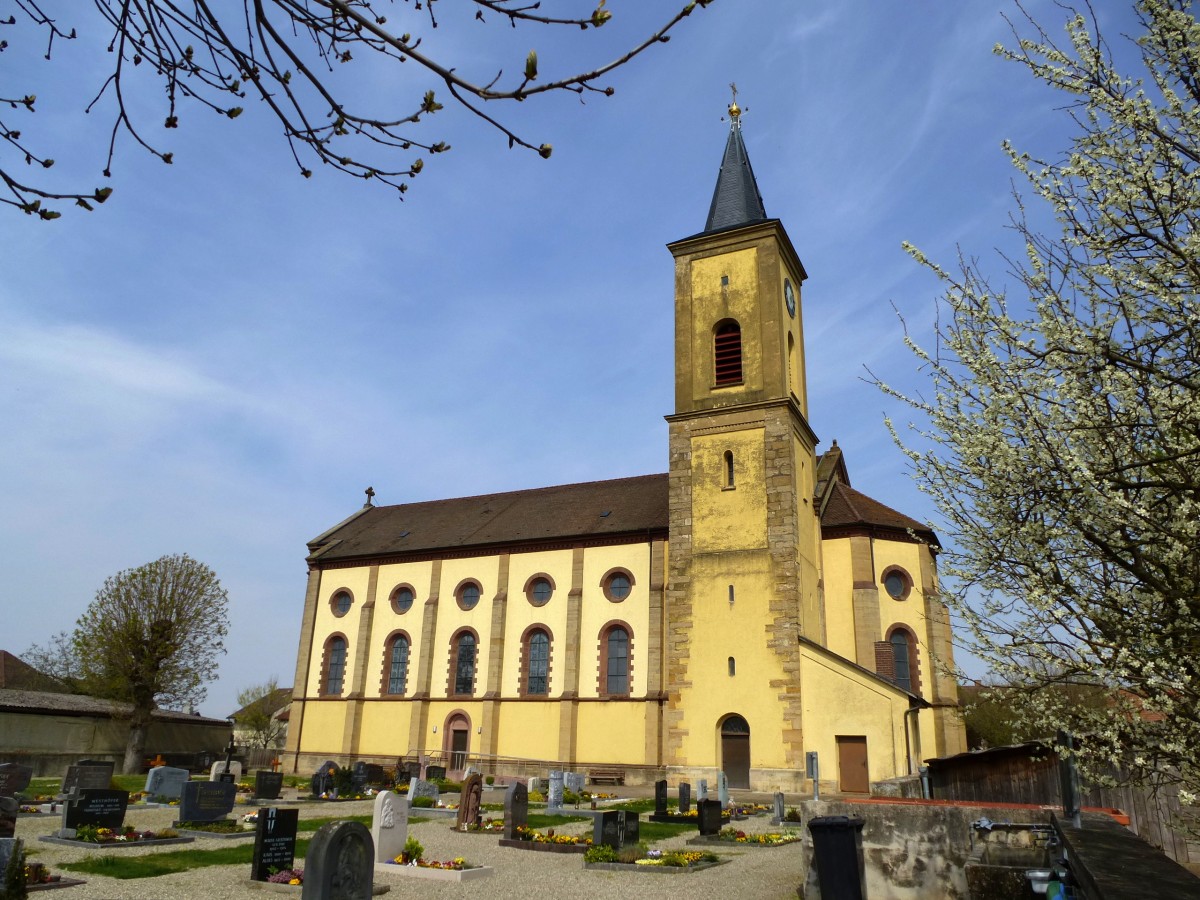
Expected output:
(458, 743)
(852, 765)
(735, 752)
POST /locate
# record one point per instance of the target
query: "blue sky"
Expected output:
(220, 359)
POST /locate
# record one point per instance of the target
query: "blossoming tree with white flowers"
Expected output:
(1060, 438)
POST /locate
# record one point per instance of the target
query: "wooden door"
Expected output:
(852, 765)
(458, 751)
(735, 752)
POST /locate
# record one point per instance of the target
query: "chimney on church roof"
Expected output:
(736, 200)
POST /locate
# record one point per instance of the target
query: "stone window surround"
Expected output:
(394, 603)
(903, 573)
(323, 685)
(723, 343)
(333, 604)
(385, 678)
(452, 669)
(602, 666)
(914, 668)
(529, 582)
(458, 593)
(607, 578)
(523, 685)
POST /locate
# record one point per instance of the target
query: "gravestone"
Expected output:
(88, 774)
(616, 829)
(535, 784)
(8, 847)
(435, 773)
(573, 782)
(97, 808)
(778, 811)
(14, 778)
(206, 801)
(340, 864)
(405, 770)
(471, 770)
(358, 777)
(418, 788)
(516, 810)
(376, 774)
(470, 802)
(660, 797)
(220, 767)
(685, 798)
(702, 790)
(709, 816)
(322, 780)
(167, 781)
(389, 825)
(555, 798)
(722, 789)
(8, 820)
(267, 784)
(274, 842)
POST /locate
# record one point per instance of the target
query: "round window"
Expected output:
(468, 595)
(341, 603)
(617, 585)
(896, 583)
(402, 599)
(540, 590)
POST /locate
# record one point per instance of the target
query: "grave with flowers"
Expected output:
(96, 818)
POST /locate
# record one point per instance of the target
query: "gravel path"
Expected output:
(751, 873)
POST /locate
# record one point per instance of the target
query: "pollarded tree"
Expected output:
(310, 63)
(151, 638)
(1061, 438)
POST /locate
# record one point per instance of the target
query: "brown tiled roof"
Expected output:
(592, 510)
(848, 508)
(17, 674)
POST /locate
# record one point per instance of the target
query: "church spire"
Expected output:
(736, 200)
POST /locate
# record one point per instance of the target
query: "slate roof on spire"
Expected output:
(736, 200)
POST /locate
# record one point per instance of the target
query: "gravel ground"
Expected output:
(751, 873)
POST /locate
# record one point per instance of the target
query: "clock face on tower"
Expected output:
(789, 297)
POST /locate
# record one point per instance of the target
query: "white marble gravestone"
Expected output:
(389, 825)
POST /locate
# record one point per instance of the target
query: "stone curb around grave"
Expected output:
(458, 875)
(657, 870)
(222, 835)
(544, 846)
(296, 889)
(95, 845)
(708, 841)
(55, 885)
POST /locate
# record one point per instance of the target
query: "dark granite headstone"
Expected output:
(226, 778)
(267, 784)
(358, 777)
(8, 820)
(685, 798)
(340, 864)
(88, 774)
(375, 774)
(206, 801)
(702, 789)
(14, 778)
(470, 802)
(97, 808)
(616, 829)
(660, 797)
(778, 811)
(435, 773)
(274, 842)
(516, 809)
(322, 780)
(167, 781)
(709, 816)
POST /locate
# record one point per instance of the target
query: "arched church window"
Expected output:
(727, 353)
(334, 673)
(395, 656)
(728, 469)
(615, 660)
(536, 681)
(904, 651)
(462, 663)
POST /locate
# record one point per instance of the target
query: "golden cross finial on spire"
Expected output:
(735, 111)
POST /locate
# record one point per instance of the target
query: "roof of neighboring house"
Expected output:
(17, 674)
(278, 699)
(591, 510)
(34, 702)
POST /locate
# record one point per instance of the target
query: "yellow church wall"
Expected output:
(451, 617)
(723, 518)
(909, 612)
(597, 611)
(323, 725)
(839, 700)
(611, 732)
(326, 624)
(839, 592)
(711, 302)
(387, 621)
(794, 352)
(521, 615)
(529, 730)
(383, 728)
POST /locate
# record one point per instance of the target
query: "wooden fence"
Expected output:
(1028, 773)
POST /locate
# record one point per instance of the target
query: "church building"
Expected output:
(734, 613)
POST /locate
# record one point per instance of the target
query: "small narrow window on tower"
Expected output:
(729, 468)
(731, 595)
(727, 353)
(732, 666)
(724, 281)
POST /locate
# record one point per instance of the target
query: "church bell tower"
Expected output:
(745, 537)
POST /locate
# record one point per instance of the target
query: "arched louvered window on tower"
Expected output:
(727, 353)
